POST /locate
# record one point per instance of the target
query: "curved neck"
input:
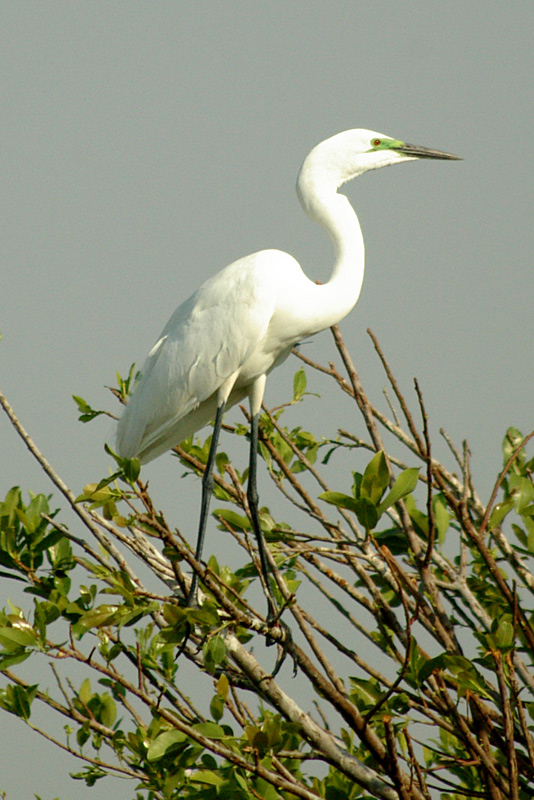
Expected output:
(334, 299)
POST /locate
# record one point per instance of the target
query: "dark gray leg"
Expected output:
(252, 496)
(207, 488)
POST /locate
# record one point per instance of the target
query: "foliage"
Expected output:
(406, 603)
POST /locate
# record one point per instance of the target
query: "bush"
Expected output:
(406, 606)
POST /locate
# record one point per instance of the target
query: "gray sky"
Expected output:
(146, 145)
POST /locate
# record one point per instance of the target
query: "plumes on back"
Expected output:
(223, 328)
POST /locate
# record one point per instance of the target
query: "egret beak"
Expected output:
(415, 151)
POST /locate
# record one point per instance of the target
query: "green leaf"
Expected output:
(375, 478)
(84, 692)
(124, 384)
(366, 693)
(468, 678)
(173, 614)
(210, 730)
(404, 485)
(367, 513)
(502, 638)
(223, 686)
(299, 384)
(522, 491)
(216, 707)
(236, 521)
(261, 743)
(108, 710)
(221, 461)
(12, 638)
(18, 699)
(511, 442)
(12, 501)
(34, 511)
(11, 577)
(97, 493)
(60, 555)
(102, 615)
(90, 775)
(364, 508)
(340, 500)
(207, 776)
(131, 467)
(394, 539)
(442, 517)
(86, 412)
(163, 743)
(7, 661)
(499, 513)
(214, 651)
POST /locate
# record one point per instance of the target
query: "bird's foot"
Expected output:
(192, 600)
(283, 641)
(280, 634)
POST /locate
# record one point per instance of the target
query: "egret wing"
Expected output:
(207, 339)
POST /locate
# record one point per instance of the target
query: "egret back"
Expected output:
(220, 330)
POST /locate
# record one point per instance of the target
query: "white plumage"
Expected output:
(243, 322)
(227, 327)
(221, 343)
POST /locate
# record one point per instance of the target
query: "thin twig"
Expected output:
(498, 482)
(414, 764)
(508, 726)
(429, 473)
(404, 792)
(400, 397)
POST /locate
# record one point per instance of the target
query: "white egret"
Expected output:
(220, 344)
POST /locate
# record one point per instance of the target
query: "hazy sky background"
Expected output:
(146, 145)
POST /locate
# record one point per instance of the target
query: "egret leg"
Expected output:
(252, 496)
(207, 488)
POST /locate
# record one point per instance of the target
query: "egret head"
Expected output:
(351, 153)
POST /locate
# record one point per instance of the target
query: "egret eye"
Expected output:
(376, 142)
